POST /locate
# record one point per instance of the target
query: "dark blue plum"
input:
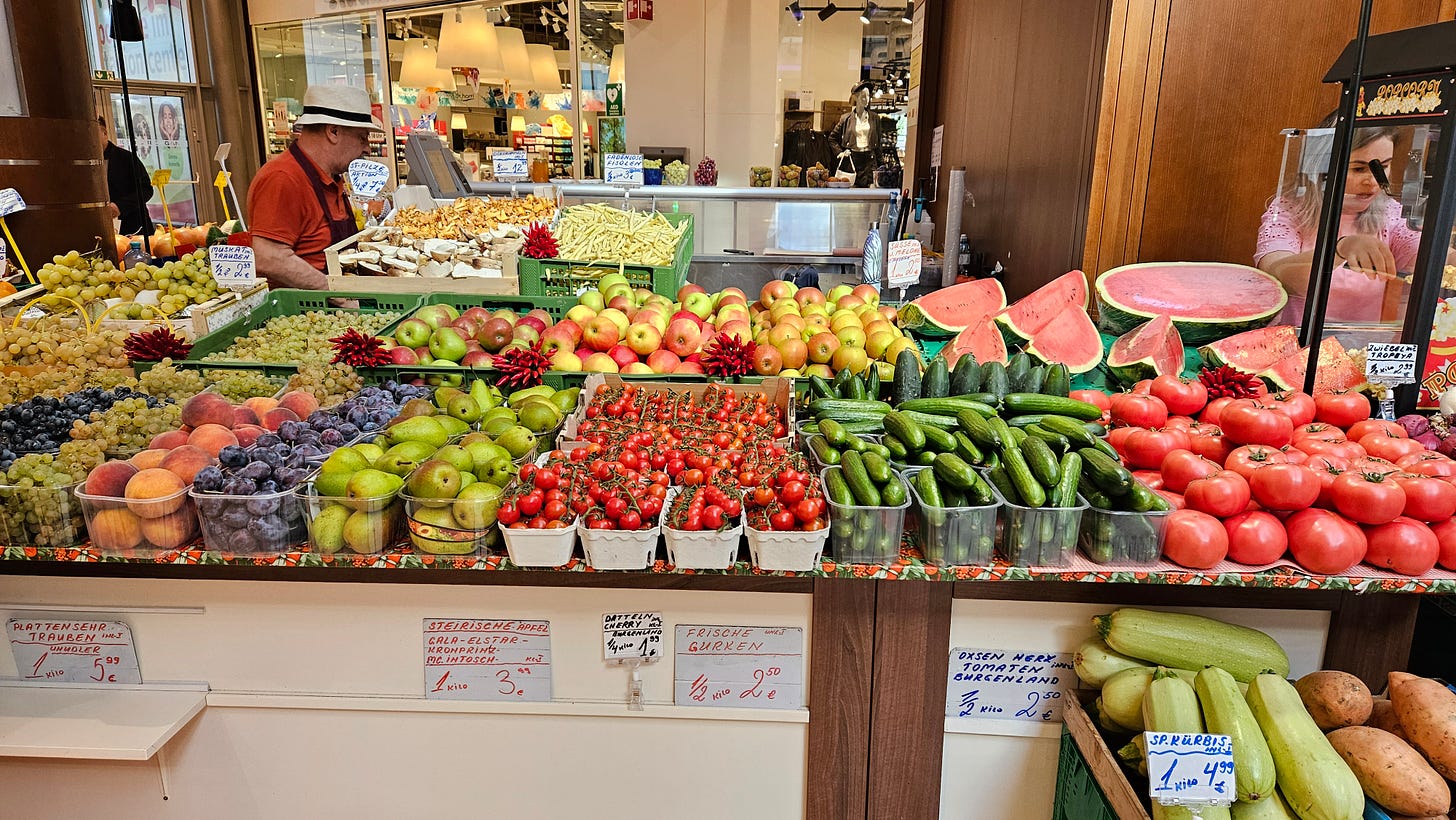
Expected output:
(208, 480)
(268, 440)
(232, 456)
(239, 486)
(256, 471)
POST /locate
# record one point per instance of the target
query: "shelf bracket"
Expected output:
(161, 758)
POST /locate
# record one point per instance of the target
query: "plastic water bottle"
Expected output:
(873, 256)
(135, 256)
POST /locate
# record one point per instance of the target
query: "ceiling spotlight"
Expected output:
(869, 11)
(796, 10)
(828, 11)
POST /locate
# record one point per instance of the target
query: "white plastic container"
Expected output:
(540, 548)
(617, 549)
(787, 551)
(699, 549)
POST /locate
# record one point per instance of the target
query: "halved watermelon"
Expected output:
(1205, 300)
(948, 311)
(1252, 351)
(1149, 350)
(1336, 370)
(982, 339)
(1069, 338)
(1021, 322)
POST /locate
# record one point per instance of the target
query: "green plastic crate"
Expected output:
(560, 277)
(557, 306)
(1078, 795)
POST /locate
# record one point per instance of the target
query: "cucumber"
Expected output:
(1272, 807)
(988, 399)
(1142, 499)
(1109, 476)
(841, 383)
(1094, 496)
(862, 427)
(948, 406)
(877, 449)
(967, 449)
(906, 384)
(979, 495)
(979, 430)
(1095, 428)
(879, 469)
(999, 479)
(1192, 642)
(1058, 380)
(858, 479)
(848, 409)
(1072, 429)
(820, 388)
(932, 420)
(994, 380)
(953, 472)
(1095, 662)
(1019, 404)
(902, 427)
(1065, 493)
(956, 498)
(855, 443)
(928, 488)
(1042, 461)
(1001, 432)
(1030, 491)
(1034, 379)
(1026, 420)
(894, 494)
(836, 488)
(938, 440)
(834, 434)
(1106, 449)
(1312, 776)
(1017, 369)
(965, 377)
(872, 383)
(897, 448)
(924, 458)
(936, 384)
(822, 451)
(1056, 441)
(1227, 713)
(1018, 435)
(855, 389)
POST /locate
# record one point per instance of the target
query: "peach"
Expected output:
(115, 529)
(212, 438)
(185, 461)
(274, 418)
(148, 459)
(170, 531)
(109, 479)
(301, 402)
(247, 434)
(243, 415)
(261, 404)
(169, 440)
(207, 408)
(154, 492)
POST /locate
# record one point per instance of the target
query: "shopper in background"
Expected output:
(297, 205)
(856, 138)
(128, 186)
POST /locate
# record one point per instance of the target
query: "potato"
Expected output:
(1391, 772)
(1427, 712)
(1334, 699)
(1383, 716)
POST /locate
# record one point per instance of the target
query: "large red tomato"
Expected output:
(1154, 479)
(1117, 437)
(1426, 498)
(1343, 449)
(1220, 495)
(1250, 457)
(1328, 468)
(1390, 448)
(1212, 445)
(1341, 408)
(1445, 532)
(1195, 539)
(1294, 454)
(1285, 487)
(1369, 498)
(1318, 431)
(1249, 422)
(1365, 427)
(1174, 499)
(1324, 542)
(1096, 397)
(1256, 538)
(1183, 396)
(1138, 410)
(1146, 448)
(1428, 463)
(1404, 545)
(1182, 466)
(1214, 409)
(1371, 464)
(1296, 404)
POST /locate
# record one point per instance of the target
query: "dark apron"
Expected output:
(339, 229)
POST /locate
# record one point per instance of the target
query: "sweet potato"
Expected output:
(1391, 772)
(1427, 712)
(1383, 716)
(1334, 699)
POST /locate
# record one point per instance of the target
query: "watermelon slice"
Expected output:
(1147, 351)
(981, 339)
(1205, 300)
(1069, 338)
(948, 311)
(1253, 350)
(1021, 322)
(1337, 371)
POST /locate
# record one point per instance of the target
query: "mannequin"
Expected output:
(857, 138)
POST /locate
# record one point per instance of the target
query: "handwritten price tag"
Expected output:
(1390, 363)
(622, 169)
(477, 659)
(10, 202)
(509, 165)
(1190, 768)
(367, 178)
(632, 635)
(233, 266)
(739, 666)
(73, 651)
(904, 263)
(1006, 684)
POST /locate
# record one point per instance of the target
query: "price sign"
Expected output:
(509, 165)
(161, 177)
(478, 659)
(233, 266)
(10, 202)
(937, 142)
(1390, 363)
(739, 666)
(73, 651)
(221, 180)
(367, 178)
(1190, 768)
(904, 263)
(627, 635)
(622, 169)
(1007, 684)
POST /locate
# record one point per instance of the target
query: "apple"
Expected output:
(466, 325)
(793, 321)
(851, 337)
(477, 314)
(643, 338)
(699, 304)
(738, 329)
(889, 313)
(638, 369)
(892, 353)
(495, 334)
(640, 296)
(422, 354)
(581, 314)
(599, 363)
(566, 360)
(761, 338)
(844, 318)
(682, 292)
(524, 332)
(610, 279)
(507, 314)
(728, 313)
(734, 292)
(541, 315)
(707, 338)
(685, 314)
(446, 343)
(689, 368)
(775, 290)
(809, 296)
(794, 352)
(853, 359)
(571, 327)
(593, 300)
(817, 320)
(848, 302)
(683, 337)
(622, 303)
(620, 289)
(437, 316)
(534, 322)
(556, 338)
(822, 347)
(875, 325)
(838, 292)
(782, 308)
(877, 343)
(726, 298)
(403, 355)
(622, 355)
(780, 333)
(663, 361)
(767, 360)
(413, 333)
(821, 370)
(651, 317)
(790, 373)
(617, 318)
(600, 334)
(867, 294)
(477, 358)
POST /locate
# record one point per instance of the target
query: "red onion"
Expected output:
(1430, 439)
(1414, 424)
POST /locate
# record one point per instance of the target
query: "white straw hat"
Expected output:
(338, 105)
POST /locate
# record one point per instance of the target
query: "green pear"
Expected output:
(485, 395)
(434, 479)
(472, 437)
(497, 412)
(453, 426)
(427, 429)
(416, 407)
(539, 415)
(344, 460)
(328, 528)
(542, 390)
(464, 408)
(497, 425)
(517, 440)
(499, 472)
(371, 483)
(369, 531)
(333, 483)
(457, 456)
(565, 400)
(403, 458)
(476, 506)
(443, 396)
(467, 478)
(369, 450)
(483, 453)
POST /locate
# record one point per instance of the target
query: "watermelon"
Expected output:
(948, 311)
(1069, 338)
(1021, 322)
(1253, 350)
(982, 339)
(1205, 300)
(1337, 371)
(1149, 350)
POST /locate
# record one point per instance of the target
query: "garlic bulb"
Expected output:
(1448, 401)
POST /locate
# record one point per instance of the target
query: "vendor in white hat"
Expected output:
(297, 205)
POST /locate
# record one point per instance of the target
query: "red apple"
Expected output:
(663, 361)
(533, 321)
(809, 296)
(599, 363)
(684, 314)
(767, 361)
(466, 325)
(571, 327)
(692, 368)
(477, 314)
(643, 339)
(495, 334)
(403, 355)
(621, 302)
(682, 292)
(555, 339)
(867, 294)
(477, 358)
(775, 289)
(822, 347)
(683, 337)
(637, 369)
(600, 334)
(525, 332)
(622, 355)
(794, 352)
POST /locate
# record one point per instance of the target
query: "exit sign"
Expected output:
(639, 9)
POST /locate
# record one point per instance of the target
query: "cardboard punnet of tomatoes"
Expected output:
(1255, 477)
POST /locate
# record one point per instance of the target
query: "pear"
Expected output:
(371, 484)
(444, 395)
(565, 400)
(476, 506)
(427, 429)
(344, 460)
(368, 531)
(539, 415)
(453, 427)
(482, 453)
(434, 530)
(434, 479)
(485, 395)
(328, 528)
(518, 441)
(334, 483)
(403, 458)
(499, 472)
(416, 407)
(369, 450)
(465, 408)
(543, 390)
(457, 456)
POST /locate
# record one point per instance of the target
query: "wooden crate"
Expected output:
(507, 283)
(1100, 759)
(213, 314)
(780, 391)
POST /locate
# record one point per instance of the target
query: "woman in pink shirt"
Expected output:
(1374, 242)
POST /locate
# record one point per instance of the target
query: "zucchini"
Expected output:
(836, 488)
(938, 440)
(1065, 493)
(858, 479)
(1272, 807)
(1312, 776)
(948, 406)
(902, 427)
(1122, 695)
(1095, 662)
(894, 494)
(1042, 461)
(1109, 476)
(979, 430)
(994, 380)
(1028, 489)
(1227, 713)
(928, 489)
(906, 384)
(820, 388)
(1018, 404)
(1133, 756)
(848, 409)
(1017, 368)
(1192, 642)
(1075, 433)
(1056, 441)
(1106, 722)
(954, 472)
(872, 383)
(1058, 380)
(822, 451)
(878, 469)
(1170, 705)
(936, 382)
(896, 447)
(1034, 379)
(965, 377)
(932, 419)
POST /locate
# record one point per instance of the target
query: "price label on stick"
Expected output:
(627, 635)
(1390, 363)
(510, 165)
(367, 178)
(1186, 768)
(232, 266)
(10, 202)
(622, 169)
(73, 651)
(904, 263)
(480, 659)
(161, 177)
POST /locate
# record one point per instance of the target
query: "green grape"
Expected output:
(329, 383)
(37, 507)
(300, 338)
(239, 385)
(166, 380)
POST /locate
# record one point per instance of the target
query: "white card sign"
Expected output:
(73, 651)
(510, 165)
(1390, 363)
(480, 659)
(1190, 768)
(367, 178)
(10, 202)
(937, 142)
(627, 635)
(233, 266)
(904, 263)
(622, 169)
(739, 666)
(1008, 684)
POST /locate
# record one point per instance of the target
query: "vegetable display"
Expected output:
(598, 232)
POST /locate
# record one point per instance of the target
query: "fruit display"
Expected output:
(468, 218)
(329, 383)
(301, 338)
(600, 232)
(141, 292)
(42, 423)
(165, 380)
(142, 503)
(789, 176)
(1205, 300)
(238, 386)
(43, 344)
(396, 251)
(706, 174)
(675, 173)
(1050, 323)
(350, 503)
(816, 176)
(38, 506)
(867, 501)
(128, 425)
(760, 176)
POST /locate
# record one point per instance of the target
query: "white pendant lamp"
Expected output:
(469, 41)
(617, 71)
(546, 78)
(417, 68)
(514, 56)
